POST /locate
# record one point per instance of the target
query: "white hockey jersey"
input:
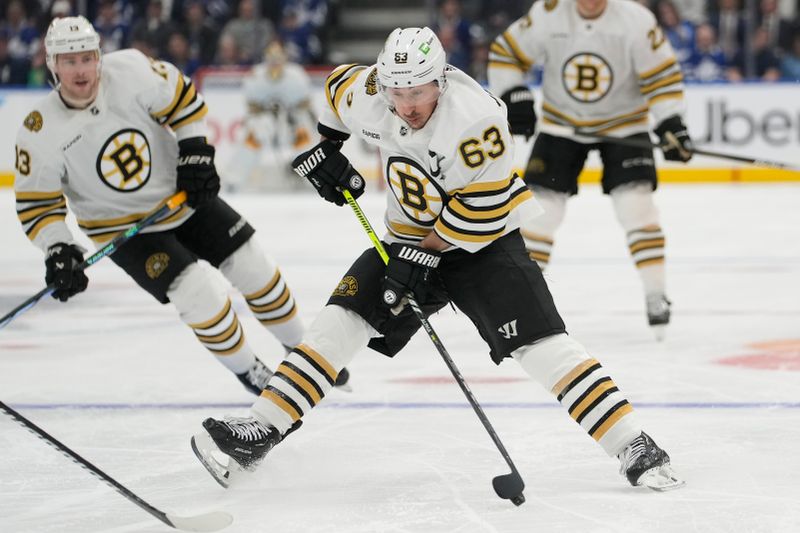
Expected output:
(601, 75)
(454, 176)
(114, 160)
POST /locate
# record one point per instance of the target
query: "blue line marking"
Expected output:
(397, 405)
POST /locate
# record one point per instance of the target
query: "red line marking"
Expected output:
(781, 355)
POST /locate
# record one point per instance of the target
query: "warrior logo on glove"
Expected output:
(408, 271)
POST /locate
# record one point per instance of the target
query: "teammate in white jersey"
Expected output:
(279, 122)
(607, 69)
(117, 137)
(454, 211)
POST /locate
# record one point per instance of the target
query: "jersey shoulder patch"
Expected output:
(34, 121)
(371, 84)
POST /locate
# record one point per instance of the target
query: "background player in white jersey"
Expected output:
(279, 122)
(117, 137)
(606, 66)
(454, 210)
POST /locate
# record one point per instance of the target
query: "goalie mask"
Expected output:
(68, 35)
(411, 57)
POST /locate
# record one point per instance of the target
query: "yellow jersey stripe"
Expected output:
(175, 99)
(658, 69)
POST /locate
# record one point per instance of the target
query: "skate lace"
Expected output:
(246, 429)
(629, 455)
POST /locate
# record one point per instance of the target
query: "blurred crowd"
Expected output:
(715, 40)
(188, 33)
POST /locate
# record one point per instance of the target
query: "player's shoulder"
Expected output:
(354, 86)
(468, 101)
(345, 76)
(549, 9)
(127, 61)
(42, 120)
(632, 12)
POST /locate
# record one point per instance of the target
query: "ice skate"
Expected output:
(644, 464)
(231, 447)
(658, 314)
(256, 378)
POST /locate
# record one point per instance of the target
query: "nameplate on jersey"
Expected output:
(420, 198)
(587, 77)
(124, 163)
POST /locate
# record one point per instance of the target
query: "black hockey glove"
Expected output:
(329, 171)
(409, 270)
(521, 115)
(197, 174)
(61, 262)
(675, 141)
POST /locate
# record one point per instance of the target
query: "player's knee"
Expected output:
(197, 294)
(634, 206)
(554, 204)
(551, 359)
(248, 268)
(338, 333)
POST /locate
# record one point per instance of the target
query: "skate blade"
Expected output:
(344, 388)
(660, 331)
(224, 473)
(661, 479)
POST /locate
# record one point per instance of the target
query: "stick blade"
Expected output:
(213, 521)
(510, 487)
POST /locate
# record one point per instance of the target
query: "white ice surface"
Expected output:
(119, 379)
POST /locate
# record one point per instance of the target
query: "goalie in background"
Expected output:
(279, 123)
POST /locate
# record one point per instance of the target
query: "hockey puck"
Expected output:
(518, 500)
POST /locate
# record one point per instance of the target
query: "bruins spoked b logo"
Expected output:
(587, 77)
(124, 161)
(420, 198)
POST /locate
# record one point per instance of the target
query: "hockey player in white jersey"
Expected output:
(279, 122)
(454, 208)
(117, 136)
(607, 69)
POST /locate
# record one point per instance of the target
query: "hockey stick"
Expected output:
(507, 486)
(641, 143)
(213, 521)
(171, 203)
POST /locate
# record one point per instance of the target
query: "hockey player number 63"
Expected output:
(472, 149)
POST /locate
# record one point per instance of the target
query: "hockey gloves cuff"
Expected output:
(329, 171)
(521, 115)
(675, 141)
(197, 174)
(410, 269)
(61, 263)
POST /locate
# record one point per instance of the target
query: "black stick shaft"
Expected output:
(426, 325)
(110, 247)
(80, 461)
(641, 143)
